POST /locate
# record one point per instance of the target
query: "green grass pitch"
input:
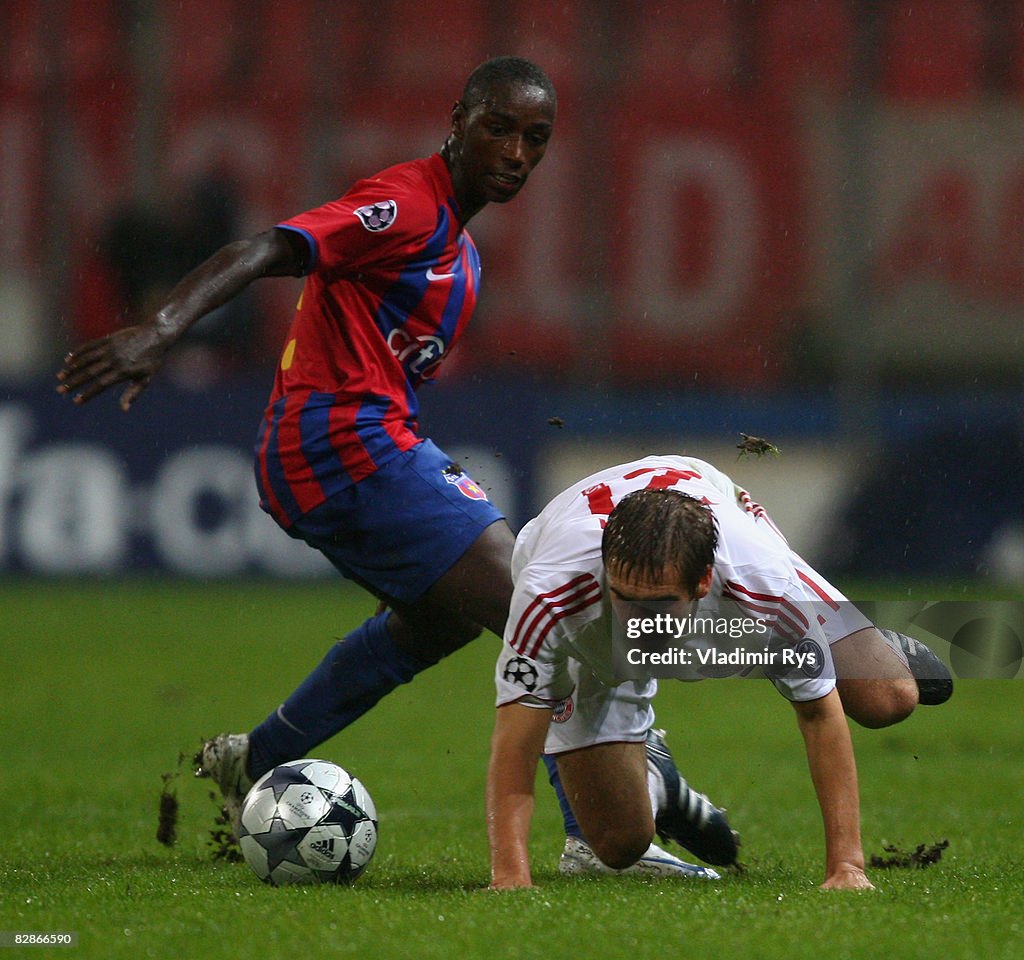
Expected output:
(106, 683)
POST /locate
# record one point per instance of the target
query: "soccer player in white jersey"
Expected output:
(671, 534)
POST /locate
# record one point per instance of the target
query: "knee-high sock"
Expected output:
(357, 671)
(656, 789)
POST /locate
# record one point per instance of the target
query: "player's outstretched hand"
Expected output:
(132, 355)
(847, 876)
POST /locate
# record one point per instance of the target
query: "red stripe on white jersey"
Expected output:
(819, 590)
(769, 613)
(587, 601)
(540, 599)
(546, 609)
(791, 610)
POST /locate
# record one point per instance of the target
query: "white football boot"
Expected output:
(223, 760)
(577, 859)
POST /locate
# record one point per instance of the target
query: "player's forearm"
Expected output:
(518, 738)
(834, 774)
(221, 278)
(509, 812)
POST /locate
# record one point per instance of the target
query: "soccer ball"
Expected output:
(308, 821)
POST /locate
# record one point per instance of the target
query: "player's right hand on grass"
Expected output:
(132, 355)
(847, 876)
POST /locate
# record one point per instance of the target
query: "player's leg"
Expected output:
(356, 673)
(606, 786)
(881, 676)
(572, 827)
(875, 685)
(476, 589)
(594, 716)
(388, 650)
(422, 537)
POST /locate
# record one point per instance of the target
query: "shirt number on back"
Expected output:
(599, 496)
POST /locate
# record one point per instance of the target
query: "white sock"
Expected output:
(656, 788)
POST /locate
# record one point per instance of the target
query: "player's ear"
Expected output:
(458, 119)
(704, 584)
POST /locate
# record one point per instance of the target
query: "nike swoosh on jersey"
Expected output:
(438, 276)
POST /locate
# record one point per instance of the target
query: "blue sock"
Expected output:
(356, 672)
(572, 828)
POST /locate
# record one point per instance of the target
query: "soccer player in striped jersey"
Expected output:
(669, 536)
(391, 276)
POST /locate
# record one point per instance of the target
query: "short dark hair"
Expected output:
(652, 529)
(505, 70)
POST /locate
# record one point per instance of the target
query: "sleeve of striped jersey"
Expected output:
(532, 665)
(793, 621)
(340, 241)
(534, 683)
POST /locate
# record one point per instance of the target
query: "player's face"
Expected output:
(496, 143)
(637, 594)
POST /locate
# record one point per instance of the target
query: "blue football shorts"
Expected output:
(397, 531)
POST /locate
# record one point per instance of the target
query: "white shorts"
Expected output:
(595, 713)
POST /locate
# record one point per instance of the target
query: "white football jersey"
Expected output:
(560, 609)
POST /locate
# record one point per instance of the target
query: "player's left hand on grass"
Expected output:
(132, 355)
(847, 876)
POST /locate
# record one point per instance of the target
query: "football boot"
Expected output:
(688, 817)
(223, 760)
(579, 859)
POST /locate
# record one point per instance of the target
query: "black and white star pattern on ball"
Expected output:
(308, 821)
(281, 843)
(283, 777)
(521, 672)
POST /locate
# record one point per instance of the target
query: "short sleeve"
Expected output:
(540, 682)
(373, 225)
(812, 680)
(533, 663)
(798, 659)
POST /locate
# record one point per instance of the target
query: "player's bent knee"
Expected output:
(431, 636)
(438, 644)
(877, 704)
(899, 703)
(621, 848)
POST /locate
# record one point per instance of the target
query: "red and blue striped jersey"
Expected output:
(391, 283)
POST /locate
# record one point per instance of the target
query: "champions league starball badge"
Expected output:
(378, 216)
(521, 672)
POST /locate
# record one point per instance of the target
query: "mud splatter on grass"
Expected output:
(222, 843)
(920, 857)
(167, 823)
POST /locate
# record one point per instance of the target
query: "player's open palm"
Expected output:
(131, 355)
